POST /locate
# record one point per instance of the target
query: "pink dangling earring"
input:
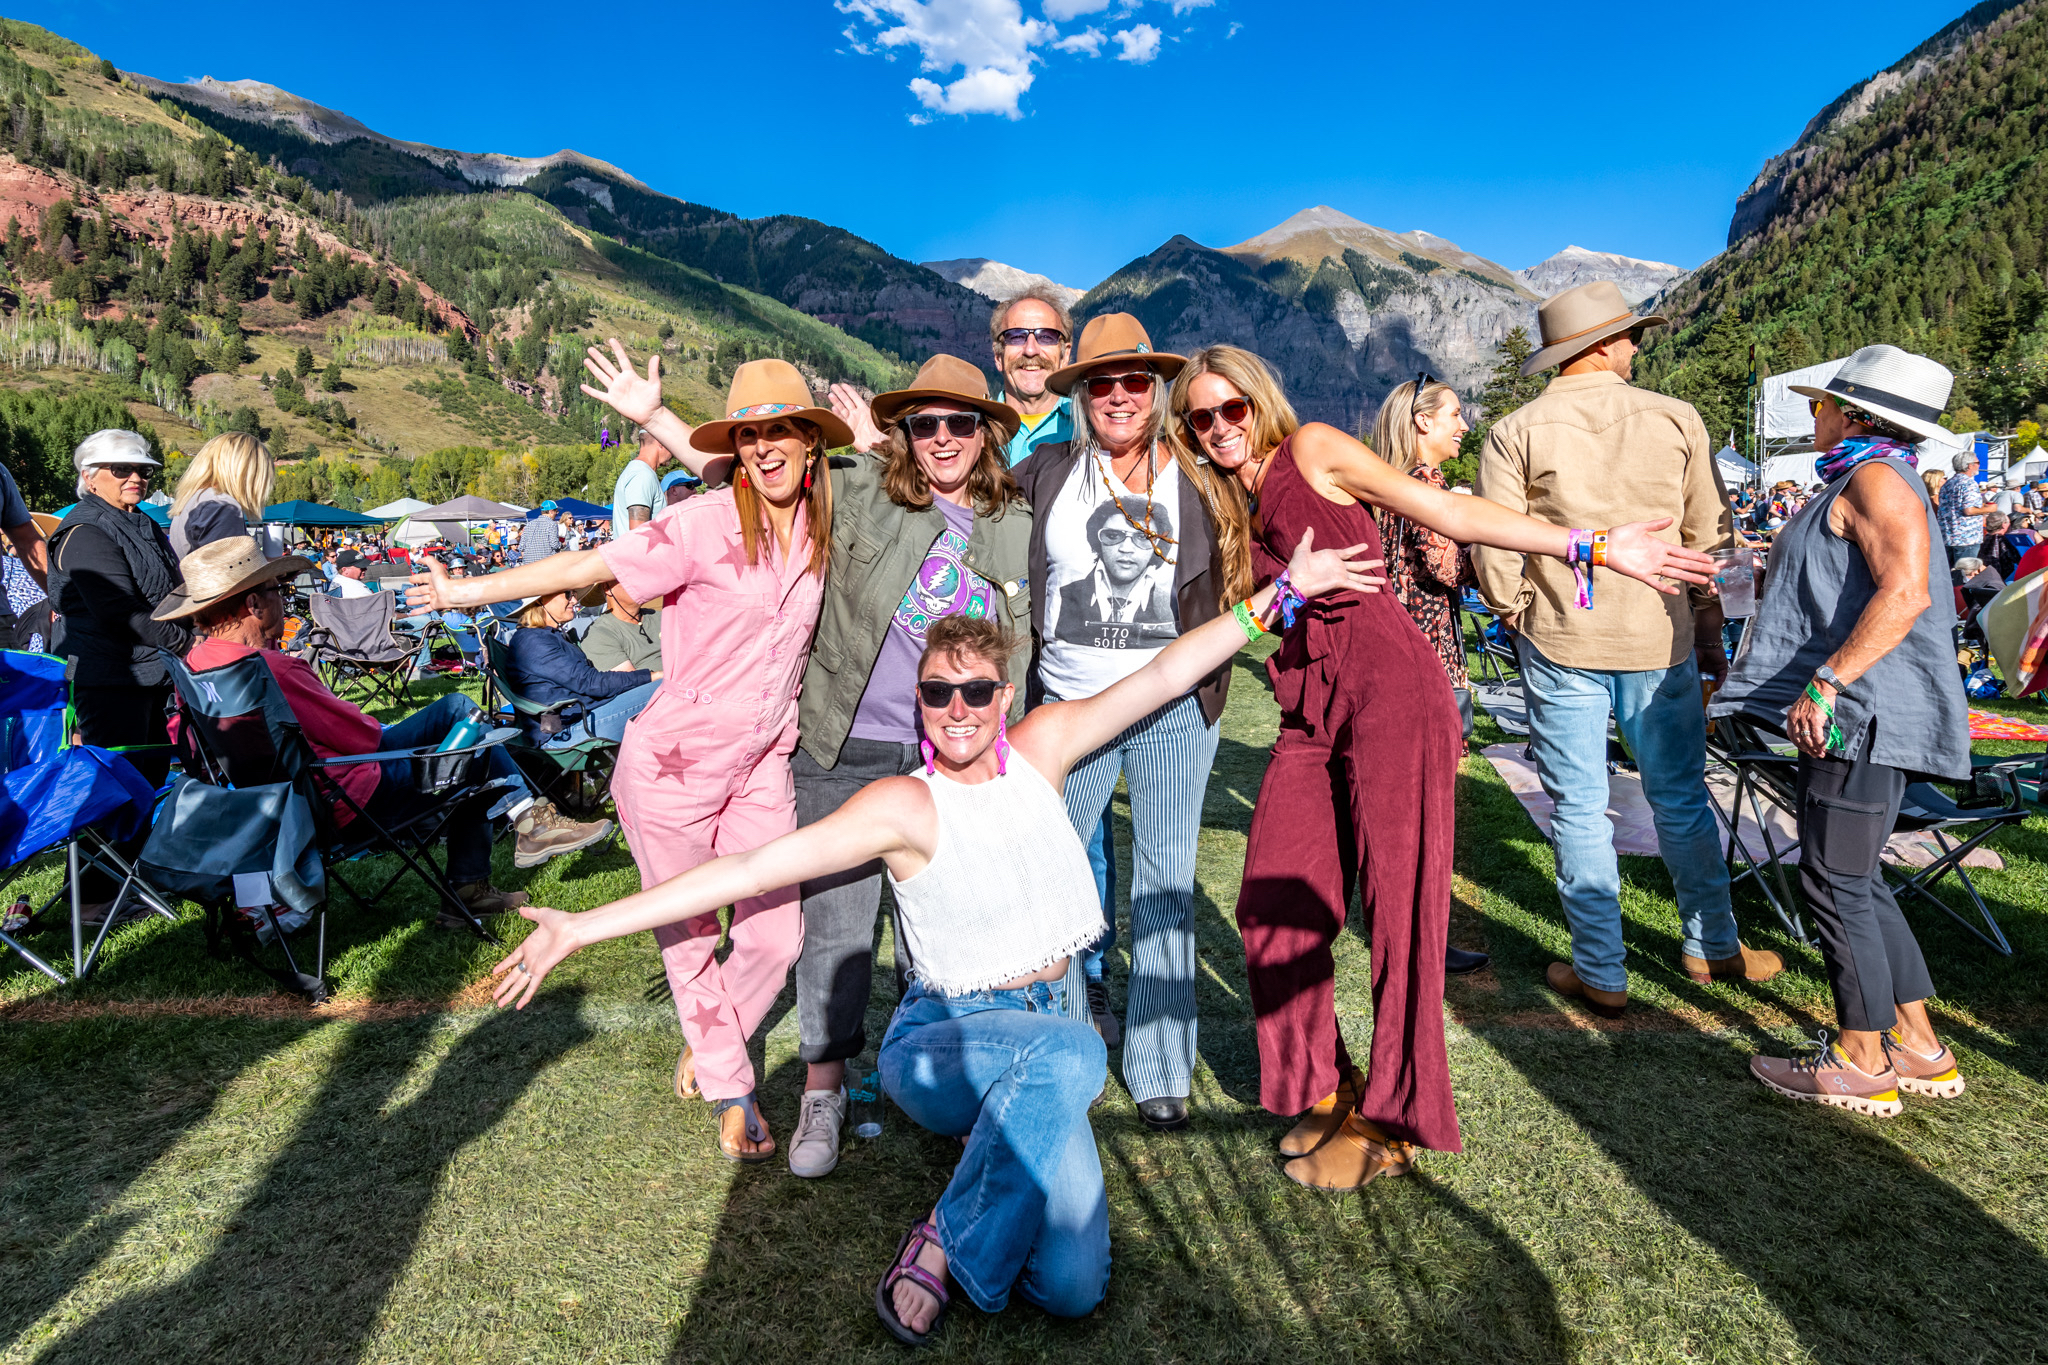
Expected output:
(930, 768)
(1003, 745)
(742, 479)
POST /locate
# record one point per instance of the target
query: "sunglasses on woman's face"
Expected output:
(1048, 338)
(125, 472)
(1233, 412)
(937, 693)
(1102, 385)
(925, 425)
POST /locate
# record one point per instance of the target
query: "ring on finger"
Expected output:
(523, 968)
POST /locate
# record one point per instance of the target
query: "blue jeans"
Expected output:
(1013, 1074)
(605, 719)
(469, 838)
(1165, 760)
(1660, 718)
(1102, 861)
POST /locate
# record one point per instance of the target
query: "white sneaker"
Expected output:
(814, 1150)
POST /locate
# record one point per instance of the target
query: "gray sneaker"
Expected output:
(814, 1150)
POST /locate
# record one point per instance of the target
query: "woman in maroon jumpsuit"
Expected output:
(1359, 789)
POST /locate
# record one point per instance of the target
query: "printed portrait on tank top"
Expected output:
(1124, 597)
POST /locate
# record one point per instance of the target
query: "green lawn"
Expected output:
(194, 1169)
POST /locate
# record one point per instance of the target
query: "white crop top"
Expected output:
(1008, 891)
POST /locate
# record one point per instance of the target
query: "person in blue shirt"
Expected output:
(548, 667)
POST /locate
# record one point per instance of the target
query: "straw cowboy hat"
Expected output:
(1109, 339)
(585, 597)
(947, 379)
(1580, 319)
(222, 569)
(1907, 390)
(768, 388)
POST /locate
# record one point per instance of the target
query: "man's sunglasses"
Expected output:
(925, 425)
(1233, 411)
(937, 693)
(1048, 338)
(129, 471)
(1138, 381)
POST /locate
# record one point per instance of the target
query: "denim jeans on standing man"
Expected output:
(469, 837)
(1663, 723)
(1014, 1075)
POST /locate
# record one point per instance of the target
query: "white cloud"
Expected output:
(1088, 40)
(1140, 44)
(1059, 11)
(1233, 30)
(1181, 7)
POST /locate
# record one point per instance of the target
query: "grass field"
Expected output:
(194, 1169)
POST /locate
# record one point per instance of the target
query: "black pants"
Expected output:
(111, 717)
(1846, 812)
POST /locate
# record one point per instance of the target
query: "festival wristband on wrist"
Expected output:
(1248, 621)
(1827, 708)
(1599, 549)
(1288, 597)
(1579, 553)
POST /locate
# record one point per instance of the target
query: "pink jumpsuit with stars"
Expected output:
(704, 769)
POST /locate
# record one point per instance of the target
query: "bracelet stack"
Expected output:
(1580, 552)
(1248, 621)
(1290, 599)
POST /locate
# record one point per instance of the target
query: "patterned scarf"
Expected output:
(1859, 450)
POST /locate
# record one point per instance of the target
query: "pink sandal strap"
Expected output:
(906, 1266)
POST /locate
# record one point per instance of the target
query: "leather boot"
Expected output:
(1565, 981)
(1356, 1155)
(1748, 964)
(1325, 1117)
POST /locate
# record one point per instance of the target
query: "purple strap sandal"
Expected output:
(906, 1267)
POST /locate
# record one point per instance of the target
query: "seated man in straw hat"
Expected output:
(1591, 450)
(231, 596)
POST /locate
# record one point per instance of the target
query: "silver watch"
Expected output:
(1827, 675)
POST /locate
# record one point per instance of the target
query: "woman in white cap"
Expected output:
(110, 567)
(1852, 656)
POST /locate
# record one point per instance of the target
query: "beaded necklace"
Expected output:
(1156, 537)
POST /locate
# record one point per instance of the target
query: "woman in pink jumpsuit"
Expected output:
(703, 771)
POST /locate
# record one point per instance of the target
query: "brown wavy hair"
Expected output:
(1223, 497)
(957, 638)
(753, 509)
(990, 485)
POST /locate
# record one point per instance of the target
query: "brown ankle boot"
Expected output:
(1748, 964)
(1356, 1155)
(1565, 981)
(1325, 1118)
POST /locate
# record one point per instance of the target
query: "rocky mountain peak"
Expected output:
(1576, 265)
(997, 281)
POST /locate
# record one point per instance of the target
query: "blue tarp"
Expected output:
(160, 515)
(577, 508)
(299, 512)
(46, 803)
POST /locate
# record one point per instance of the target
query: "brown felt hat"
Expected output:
(1580, 319)
(1114, 339)
(947, 379)
(220, 569)
(768, 388)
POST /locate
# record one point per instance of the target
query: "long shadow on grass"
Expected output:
(303, 1269)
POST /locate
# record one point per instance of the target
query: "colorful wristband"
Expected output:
(1248, 621)
(1289, 599)
(1827, 708)
(1579, 553)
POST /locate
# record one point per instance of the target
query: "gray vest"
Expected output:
(1817, 586)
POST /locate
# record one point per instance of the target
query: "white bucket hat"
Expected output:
(1904, 389)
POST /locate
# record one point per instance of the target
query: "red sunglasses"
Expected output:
(1102, 385)
(1233, 411)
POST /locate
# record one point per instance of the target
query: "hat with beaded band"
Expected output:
(762, 390)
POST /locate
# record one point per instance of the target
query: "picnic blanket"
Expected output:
(1635, 827)
(1991, 725)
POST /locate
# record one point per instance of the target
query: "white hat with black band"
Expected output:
(1909, 391)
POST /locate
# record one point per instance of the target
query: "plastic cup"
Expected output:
(1735, 581)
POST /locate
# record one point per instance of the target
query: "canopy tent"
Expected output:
(577, 508)
(468, 507)
(160, 513)
(1734, 470)
(414, 531)
(299, 512)
(404, 507)
(1798, 468)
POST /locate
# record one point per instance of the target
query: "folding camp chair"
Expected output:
(575, 776)
(1496, 664)
(352, 642)
(57, 794)
(1764, 778)
(239, 736)
(1926, 810)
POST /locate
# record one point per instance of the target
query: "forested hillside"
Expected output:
(1913, 211)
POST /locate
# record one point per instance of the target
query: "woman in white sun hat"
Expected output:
(1852, 655)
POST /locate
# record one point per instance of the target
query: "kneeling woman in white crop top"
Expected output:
(991, 1042)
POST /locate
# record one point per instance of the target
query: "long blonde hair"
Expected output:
(1393, 432)
(1223, 497)
(753, 509)
(234, 463)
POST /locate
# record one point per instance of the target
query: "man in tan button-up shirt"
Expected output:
(1593, 451)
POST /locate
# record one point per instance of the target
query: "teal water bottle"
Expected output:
(864, 1093)
(466, 732)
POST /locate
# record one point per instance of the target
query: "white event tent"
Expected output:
(413, 531)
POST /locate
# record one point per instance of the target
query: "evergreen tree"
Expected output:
(1506, 389)
(270, 250)
(1715, 376)
(330, 378)
(302, 363)
(57, 224)
(179, 269)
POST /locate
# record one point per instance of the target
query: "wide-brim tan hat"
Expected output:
(219, 570)
(1907, 390)
(1580, 319)
(947, 379)
(768, 388)
(46, 522)
(1112, 339)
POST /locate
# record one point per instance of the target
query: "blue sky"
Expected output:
(1510, 129)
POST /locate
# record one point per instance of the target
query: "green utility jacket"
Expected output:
(877, 548)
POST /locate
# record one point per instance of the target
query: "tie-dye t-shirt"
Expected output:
(944, 586)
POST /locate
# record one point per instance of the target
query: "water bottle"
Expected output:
(464, 733)
(864, 1096)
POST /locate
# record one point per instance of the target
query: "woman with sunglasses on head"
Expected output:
(1358, 792)
(703, 769)
(992, 1042)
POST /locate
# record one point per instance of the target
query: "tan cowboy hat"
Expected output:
(947, 379)
(46, 523)
(1108, 340)
(220, 569)
(1580, 319)
(1904, 389)
(768, 388)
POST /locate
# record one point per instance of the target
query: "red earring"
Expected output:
(808, 469)
(742, 479)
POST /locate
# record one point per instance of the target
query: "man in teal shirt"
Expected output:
(1030, 334)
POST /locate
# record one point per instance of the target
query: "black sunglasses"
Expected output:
(129, 471)
(937, 693)
(1050, 338)
(925, 425)
(1231, 410)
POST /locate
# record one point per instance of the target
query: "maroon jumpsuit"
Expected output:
(1360, 786)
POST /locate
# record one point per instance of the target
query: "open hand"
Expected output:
(432, 590)
(627, 394)
(525, 967)
(853, 410)
(1314, 572)
(1635, 551)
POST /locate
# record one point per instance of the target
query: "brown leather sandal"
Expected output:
(686, 1076)
(1356, 1155)
(1325, 1118)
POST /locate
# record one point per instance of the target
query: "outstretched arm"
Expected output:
(892, 819)
(566, 571)
(1631, 549)
(638, 399)
(1060, 734)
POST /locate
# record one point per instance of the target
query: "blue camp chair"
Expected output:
(256, 801)
(54, 794)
